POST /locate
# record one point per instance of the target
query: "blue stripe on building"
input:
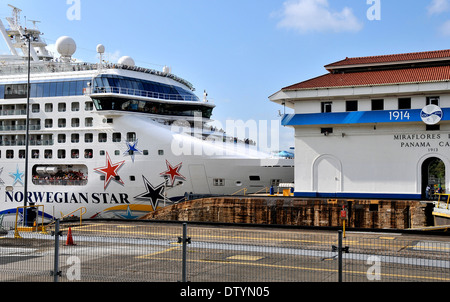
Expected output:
(358, 117)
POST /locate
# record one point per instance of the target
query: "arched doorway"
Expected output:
(433, 174)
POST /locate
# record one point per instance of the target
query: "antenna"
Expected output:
(15, 16)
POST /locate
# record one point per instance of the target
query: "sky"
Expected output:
(241, 51)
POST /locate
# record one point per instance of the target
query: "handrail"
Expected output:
(266, 188)
(243, 189)
(81, 214)
(16, 230)
(439, 199)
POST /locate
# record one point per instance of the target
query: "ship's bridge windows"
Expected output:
(60, 175)
(172, 109)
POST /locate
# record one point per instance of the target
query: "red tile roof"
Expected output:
(372, 78)
(417, 56)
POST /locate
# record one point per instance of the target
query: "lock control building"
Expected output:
(372, 127)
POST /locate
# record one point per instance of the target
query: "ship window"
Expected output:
(89, 106)
(48, 123)
(62, 123)
(275, 182)
(2, 91)
(88, 153)
(75, 153)
(145, 152)
(132, 178)
(21, 154)
(61, 154)
(102, 152)
(75, 138)
(117, 137)
(9, 154)
(48, 154)
(35, 154)
(161, 152)
(89, 122)
(76, 106)
(117, 152)
(88, 138)
(35, 108)
(48, 107)
(62, 107)
(61, 138)
(61, 175)
(131, 136)
(219, 182)
(75, 122)
(102, 138)
(254, 178)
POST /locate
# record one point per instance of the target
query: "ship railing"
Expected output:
(141, 93)
(245, 190)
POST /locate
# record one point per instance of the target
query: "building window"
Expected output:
(404, 103)
(219, 182)
(377, 105)
(433, 100)
(327, 107)
(326, 131)
(351, 106)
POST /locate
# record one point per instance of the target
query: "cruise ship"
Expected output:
(110, 141)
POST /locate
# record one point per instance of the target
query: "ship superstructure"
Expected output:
(116, 139)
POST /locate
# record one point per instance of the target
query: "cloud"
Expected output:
(307, 16)
(445, 29)
(438, 7)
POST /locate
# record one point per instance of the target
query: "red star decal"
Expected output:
(173, 172)
(110, 171)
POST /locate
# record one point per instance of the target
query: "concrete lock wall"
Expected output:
(370, 214)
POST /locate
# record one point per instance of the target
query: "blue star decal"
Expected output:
(132, 149)
(17, 176)
(129, 214)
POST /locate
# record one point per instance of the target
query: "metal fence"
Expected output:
(169, 252)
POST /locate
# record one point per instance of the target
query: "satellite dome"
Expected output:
(100, 48)
(66, 46)
(128, 61)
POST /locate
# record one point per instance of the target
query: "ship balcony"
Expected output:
(140, 93)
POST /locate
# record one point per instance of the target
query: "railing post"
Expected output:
(340, 256)
(185, 240)
(56, 273)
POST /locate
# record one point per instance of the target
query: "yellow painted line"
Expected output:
(245, 258)
(157, 253)
(416, 277)
(387, 238)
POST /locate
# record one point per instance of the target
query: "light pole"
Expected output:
(27, 37)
